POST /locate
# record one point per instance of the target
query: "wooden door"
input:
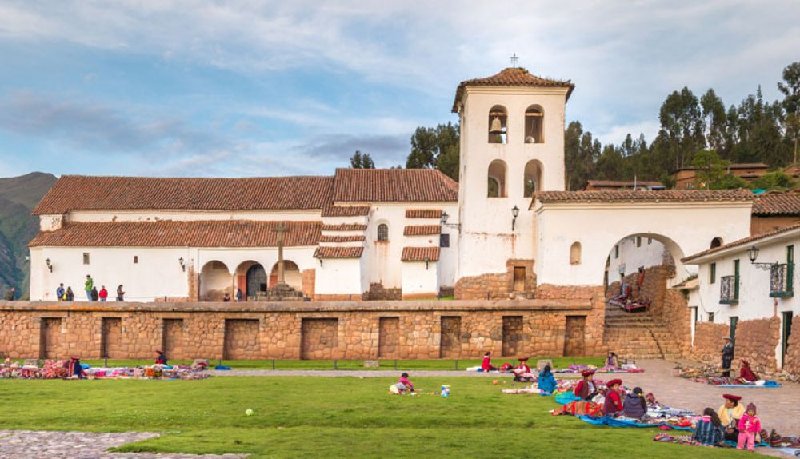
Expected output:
(519, 278)
(574, 336)
(512, 336)
(450, 346)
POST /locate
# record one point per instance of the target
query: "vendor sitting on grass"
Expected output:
(404, 384)
(729, 414)
(486, 364)
(546, 381)
(613, 403)
(634, 405)
(161, 359)
(522, 372)
(708, 429)
(746, 373)
(586, 388)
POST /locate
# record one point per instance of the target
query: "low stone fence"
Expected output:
(294, 330)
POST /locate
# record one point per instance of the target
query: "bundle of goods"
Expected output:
(54, 369)
(184, 372)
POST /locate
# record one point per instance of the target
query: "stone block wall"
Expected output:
(595, 315)
(708, 342)
(792, 359)
(377, 292)
(264, 330)
(483, 287)
(756, 341)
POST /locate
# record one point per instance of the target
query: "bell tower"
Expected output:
(512, 145)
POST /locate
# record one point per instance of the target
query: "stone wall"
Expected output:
(309, 277)
(756, 341)
(483, 287)
(595, 316)
(792, 359)
(377, 292)
(264, 330)
(708, 342)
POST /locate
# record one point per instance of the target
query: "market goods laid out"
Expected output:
(624, 368)
(66, 369)
(709, 374)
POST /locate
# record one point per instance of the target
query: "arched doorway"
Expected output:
(256, 281)
(291, 275)
(215, 281)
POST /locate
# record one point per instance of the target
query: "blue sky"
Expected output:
(259, 88)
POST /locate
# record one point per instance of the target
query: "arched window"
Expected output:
(383, 232)
(533, 178)
(498, 127)
(575, 253)
(716, 242)
(534, 124)
(497, 179)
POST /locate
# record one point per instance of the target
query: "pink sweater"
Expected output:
(749, 424)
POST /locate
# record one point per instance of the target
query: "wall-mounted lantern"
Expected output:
(49, 265)
(183, 265)
(515, 213)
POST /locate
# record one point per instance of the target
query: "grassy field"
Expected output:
(558, 362)
(337, 417)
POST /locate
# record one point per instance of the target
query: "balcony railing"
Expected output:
(781, 280)
(729, 290)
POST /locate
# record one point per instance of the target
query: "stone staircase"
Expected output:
(637, 336)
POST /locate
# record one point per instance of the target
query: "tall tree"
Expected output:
(715, 120)
(435, 148)
(681, 126)
(790, 87)
(361, 161)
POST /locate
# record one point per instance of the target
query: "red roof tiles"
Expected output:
(739, 242)
(777, 204)
(345, 211)
(342, 238)
(344, 227)
(511, 76)
(420, 254)
(338, 252)
(644, 196)
(220, 233)
(423, 213)
(422, 230)
(73, 192)
(393, 185)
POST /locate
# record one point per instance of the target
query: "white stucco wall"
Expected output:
(684, 228)
(651, 252)
(754, 300)
(418, 279)
(486, 222)
(339, 276)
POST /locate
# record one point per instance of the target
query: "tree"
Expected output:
(361, 161)
(681, 127)
(715, 120)
(790, 87)
(710, 169)
(774, 180)
(435, 148)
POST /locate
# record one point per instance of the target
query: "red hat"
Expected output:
(613, 382)
(586, 373)
(731, 397)
(523, 359)
(158, 352)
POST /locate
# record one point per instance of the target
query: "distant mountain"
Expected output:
(18, 197)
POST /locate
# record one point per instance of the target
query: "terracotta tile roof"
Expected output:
(338, 252)
(644, 196)
(420, 253)
(221, 233)
(74, 192)
(422, 230)
(511, 76)
(342, 238)
(777, 204)
(733, 166)
(423, 213)
(739, 242)
(393, 185)
(621, 183)
(344, 227)
(344, 211)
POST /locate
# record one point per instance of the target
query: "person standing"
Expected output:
(120, 293)
(69, 295)
(239, 294)
(103, 294)
(88, 286)
(749, 426)
(727, 357)
(60, 292)
(94, 294)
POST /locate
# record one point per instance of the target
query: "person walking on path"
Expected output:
(120, 293)
(103, 294)
(88, 286)
(60, 292)
(727, 357)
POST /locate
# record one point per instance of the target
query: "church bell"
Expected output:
(496, 127)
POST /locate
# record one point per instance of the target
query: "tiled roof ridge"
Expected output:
(786, 203)
(643, 196)
(342, 238)
(420, 254)
(511, 76)
(423, 213)
(422, 230)
(345, 227)
(338, 252)
(739, 242)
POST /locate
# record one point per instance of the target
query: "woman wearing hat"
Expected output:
(727, 357)
(730, 413)
(586, 389)
(522, 372)
(613, 403)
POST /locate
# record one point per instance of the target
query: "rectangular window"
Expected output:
(649, 241)
(712, 273)
(616, 251)
(135, 259)
(444, 240)
(638, 241)
(735, 279)
(711, 317)
(790, 268)
(86, 258)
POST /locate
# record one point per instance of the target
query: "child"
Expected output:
(404, 384)
(749, 426)
(486, 364)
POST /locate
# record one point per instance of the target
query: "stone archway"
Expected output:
(256, 281)
(215, 281)
(291, 273)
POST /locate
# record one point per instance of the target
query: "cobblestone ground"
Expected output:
(53, 444)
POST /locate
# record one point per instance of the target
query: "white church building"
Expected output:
(507, 225)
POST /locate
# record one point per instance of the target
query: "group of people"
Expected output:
(732, 422)
(522, 372)
(92, 294)
(616, 401)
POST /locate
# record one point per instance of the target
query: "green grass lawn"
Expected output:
(335, 417)
(558, 362)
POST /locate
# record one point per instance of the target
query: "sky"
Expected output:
(262, 88)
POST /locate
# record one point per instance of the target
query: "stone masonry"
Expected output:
(792, 361)
(756, 341)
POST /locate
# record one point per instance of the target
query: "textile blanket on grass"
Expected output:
(617, 422)
(687, 440)
(626, 368)
(767, 385)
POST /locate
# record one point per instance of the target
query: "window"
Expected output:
(498, 127)
(534, 124)
(616, 251)
(649, 241)
(444, 240)
(711, 317)
(575, 253)
(86, 258)
(533, 178)
(497, 179)
(638, 241)
(736, 279)
(712, 273)
(135, 259)
(383, 232)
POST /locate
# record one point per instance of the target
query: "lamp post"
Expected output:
(515, 213)
(443, 221)
(752, 254)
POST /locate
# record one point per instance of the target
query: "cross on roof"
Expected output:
(514, 59)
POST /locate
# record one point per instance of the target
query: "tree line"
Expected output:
(694, 132)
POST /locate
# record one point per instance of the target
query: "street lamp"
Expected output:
(515, 213)
(752, 254)
(444, 218)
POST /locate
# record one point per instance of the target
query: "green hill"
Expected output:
(18, 197)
